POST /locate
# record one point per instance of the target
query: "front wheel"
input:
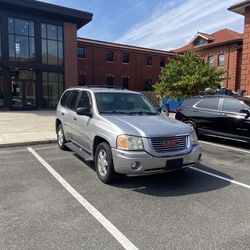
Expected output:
(104, 163)
(192, 125)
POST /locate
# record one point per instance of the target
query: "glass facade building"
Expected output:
(32, 52)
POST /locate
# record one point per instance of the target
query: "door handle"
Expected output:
(196, 110)
(75, 119)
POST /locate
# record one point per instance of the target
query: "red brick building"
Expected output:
(243, 8)
(103, 63)
(223, 49)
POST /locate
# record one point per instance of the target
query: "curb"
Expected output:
(27, 143)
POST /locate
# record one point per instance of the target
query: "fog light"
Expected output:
(135, 165)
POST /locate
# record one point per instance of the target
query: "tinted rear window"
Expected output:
(209, 103)
(72, 101)
(65, 98)
(189, 103)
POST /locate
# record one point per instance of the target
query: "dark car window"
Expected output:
(189, 103)
(84, 101)
(209, 103)
(72, 101)
(65, 98)
(231, 105)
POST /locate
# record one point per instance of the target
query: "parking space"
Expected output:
(190, 210)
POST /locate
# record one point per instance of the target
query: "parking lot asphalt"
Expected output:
(188, 210)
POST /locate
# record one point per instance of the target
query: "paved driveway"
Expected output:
(67, 207)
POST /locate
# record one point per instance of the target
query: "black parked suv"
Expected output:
(220, 116)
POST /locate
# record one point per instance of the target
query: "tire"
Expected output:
(61, 137)
(191, 124)
(104, 163)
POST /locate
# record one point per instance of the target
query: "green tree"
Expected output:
(187, 75)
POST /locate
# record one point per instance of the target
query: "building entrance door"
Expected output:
(23, 91)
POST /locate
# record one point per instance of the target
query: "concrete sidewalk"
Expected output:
(24, 128)
(27, 127)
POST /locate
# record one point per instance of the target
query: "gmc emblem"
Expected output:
(169, 143)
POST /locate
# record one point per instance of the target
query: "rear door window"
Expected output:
(231, 105)
(209, 103)
(65, 98)
(72, 100)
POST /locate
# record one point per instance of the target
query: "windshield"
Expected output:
(124, 103)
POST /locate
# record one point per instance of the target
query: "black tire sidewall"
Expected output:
(111, 174)
(64, 141)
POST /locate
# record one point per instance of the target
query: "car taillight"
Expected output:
(177, 110)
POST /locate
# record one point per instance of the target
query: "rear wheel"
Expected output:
(104, 163)
(61, 137)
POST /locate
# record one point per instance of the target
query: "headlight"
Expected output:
(127, 142)
(194, 139)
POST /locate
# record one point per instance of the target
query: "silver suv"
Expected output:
(123, 133)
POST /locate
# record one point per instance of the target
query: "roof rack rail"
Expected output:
(103, 86)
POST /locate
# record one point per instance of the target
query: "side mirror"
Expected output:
(159, 108)
(246, 112)
(84, 111)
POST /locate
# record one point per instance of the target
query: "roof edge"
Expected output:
(239, 8)
(125, 46)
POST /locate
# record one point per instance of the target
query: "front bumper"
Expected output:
(123, 161)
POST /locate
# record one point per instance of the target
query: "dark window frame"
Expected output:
(60, 86)
(81, 55)
(109, 56)
(221, 63)
(30, 59)
(125, 60)
(162, 62)
(149, 61)
(110, 80)
(209, 62)
(47, 40)
(125, 82)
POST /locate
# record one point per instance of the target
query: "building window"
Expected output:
(148, 84)
(211, 60)
(1, 90)
(162, 62)
(52, 44)
(125, 58)
(21, 40)
(221, 60)
(149, 61)
(81, 52)
(125, 82)
(110, 80)
(52, 88)
(199, 41)
(109, 56)
(81, 79)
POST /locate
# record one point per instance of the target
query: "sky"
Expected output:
(158, 24)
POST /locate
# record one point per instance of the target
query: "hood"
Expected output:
(148, 126)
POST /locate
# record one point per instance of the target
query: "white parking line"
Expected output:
(120, 237)
(226, 147)
(220, 177)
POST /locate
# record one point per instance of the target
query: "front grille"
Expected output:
(169, 144)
